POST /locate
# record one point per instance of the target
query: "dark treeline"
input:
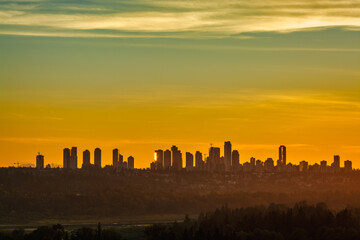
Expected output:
(57, 232)
(275, 222)
(29, 196)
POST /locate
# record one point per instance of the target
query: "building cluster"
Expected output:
(173, 160)
(70, 159)
(230, 162)
(118, 160)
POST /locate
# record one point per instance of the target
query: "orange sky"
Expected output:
(115, 75)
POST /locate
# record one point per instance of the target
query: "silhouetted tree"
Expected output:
(276, 222)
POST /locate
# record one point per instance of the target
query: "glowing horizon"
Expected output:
(145, 75)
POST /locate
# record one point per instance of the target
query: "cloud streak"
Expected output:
(193, 18)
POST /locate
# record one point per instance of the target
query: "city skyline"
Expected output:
(173, 159)
(117, 117)
(142, 74)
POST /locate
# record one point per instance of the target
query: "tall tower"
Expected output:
(323, 166)
(282, 155)
(176, 158)
(131, 162)
(39, 161)
(227, 155)
(115, 157)
(348, 166)
(66, 158)
(199, 163)
(235, 160)
(189, 161)
(97, 157)
(214, 158)
(159, 159)
(336, 164)
(86, 159)
(73, 158)
(167, 159)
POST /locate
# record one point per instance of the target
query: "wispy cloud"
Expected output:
(194, 18)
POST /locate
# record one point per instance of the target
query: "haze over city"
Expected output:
(142, 75)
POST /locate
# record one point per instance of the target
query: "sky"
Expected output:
(142, 75)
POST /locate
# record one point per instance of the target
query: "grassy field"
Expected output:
(131, 228)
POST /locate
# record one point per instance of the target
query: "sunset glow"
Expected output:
(145, 75)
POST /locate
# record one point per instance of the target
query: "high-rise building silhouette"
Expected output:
(152, 166)
(130, 162)
(282, 155)
(159, 159)
(176, 158)
(252, 163)
(97, 157)
(323, 166)
(227, 155)
(214, 158)
(189, 161)
(86, 159)
(66, 158)
(39, 161)
(115, 157)
(199, 163)
(73, 158)
(348, 165)
(167, 159)
(336, 164)
(235, 160)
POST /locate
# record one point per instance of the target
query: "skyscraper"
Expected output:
(227, 155)
(174, 152)
(235, 160)
(131, 162)
(86, 159)
(189, 161)
(159, 159)
(115, 157)
(176, 158)
(282, 155)
(336, 163)
(39, 161)
(66, 158)
(199, 163)
(73, 158)
(167, 159)
(348, 165)
(97, 157)
(214, 158)
(323, 166)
